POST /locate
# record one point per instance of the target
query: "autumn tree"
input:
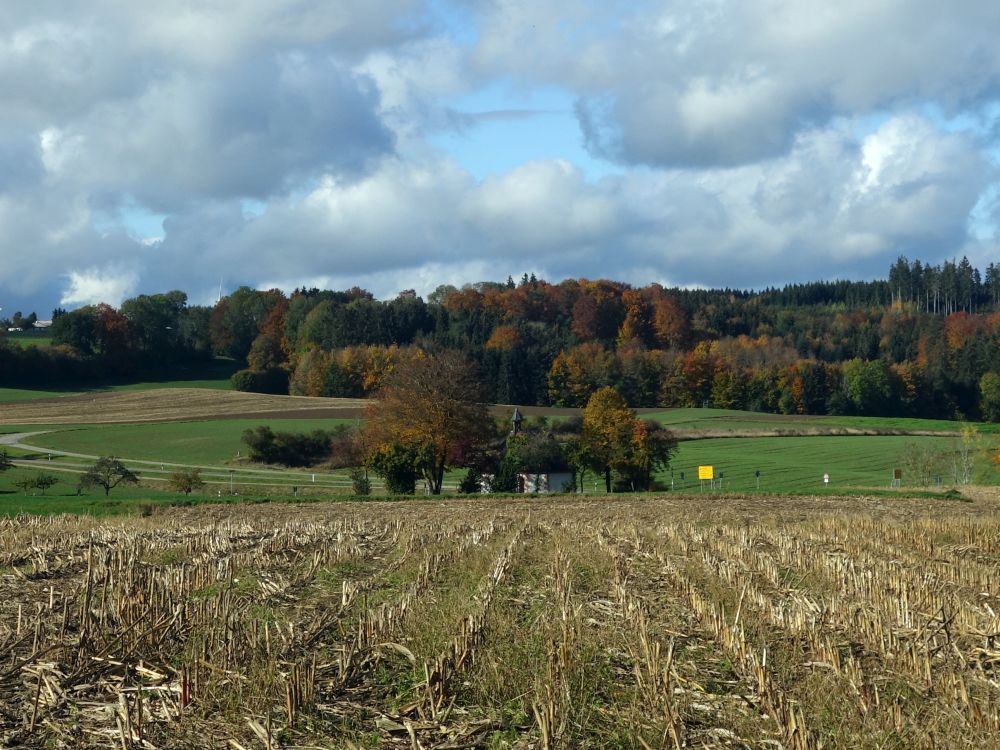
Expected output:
(614, 439)
(238, 319)
(114, 337)
(635, 328)
(670, 323)
(578, 372)
(598, 312)
(108, 473)
(434, 406)
(648, 451)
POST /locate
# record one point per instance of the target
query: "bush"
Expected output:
(360, 483)
(273, 380)
(471, 483)
(397, 465)
(290, 448)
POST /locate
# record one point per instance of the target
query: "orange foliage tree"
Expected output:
(433, 406)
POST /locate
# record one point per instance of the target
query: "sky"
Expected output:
(394, 144)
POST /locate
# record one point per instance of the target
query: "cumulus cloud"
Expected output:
(247, 133)
(751, 142)
(734, 81)
(837, 202)
(93, 285)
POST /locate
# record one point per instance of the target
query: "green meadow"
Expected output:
(213, 375)
(730, 420)
(797, 464)
(29, 339)
(63, 498)
(205, 442)
(31, 394)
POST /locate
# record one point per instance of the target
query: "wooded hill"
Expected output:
(921, 342)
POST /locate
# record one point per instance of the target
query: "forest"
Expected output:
(920, 342)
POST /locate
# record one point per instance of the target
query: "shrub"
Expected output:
(360, 483)
(397, 465)
(290, 448)
(273, 380)
(471, 483)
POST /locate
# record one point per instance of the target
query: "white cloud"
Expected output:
(93, 285)
(819, 212)
(759, 141)
(733, 81)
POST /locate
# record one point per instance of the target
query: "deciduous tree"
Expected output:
(615, 440)
(45, 481)
(989, 396)
(608, 424)
(108, 473)
(186, 481)
(434, 405)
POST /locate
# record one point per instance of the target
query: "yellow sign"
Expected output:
(706, 472)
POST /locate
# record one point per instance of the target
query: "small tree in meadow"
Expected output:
(108, 473)
(45, 481)
(186, 481)
(38, 482)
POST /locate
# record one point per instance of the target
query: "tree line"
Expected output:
(921, 342)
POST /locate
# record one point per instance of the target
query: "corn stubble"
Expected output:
(551, 624)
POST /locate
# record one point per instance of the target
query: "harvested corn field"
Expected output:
(704, 623)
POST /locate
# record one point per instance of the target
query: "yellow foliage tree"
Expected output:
(614, 439)
(608, 426)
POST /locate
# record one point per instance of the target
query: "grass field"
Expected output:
(29, 339)
(744, 421)
(787, 464)
(513, 624)
(791, 464)
(31, 394)
(212, 375)
(210, 442)
(63, 497)
(795, 462)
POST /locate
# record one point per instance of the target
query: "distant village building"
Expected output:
(549, 478)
